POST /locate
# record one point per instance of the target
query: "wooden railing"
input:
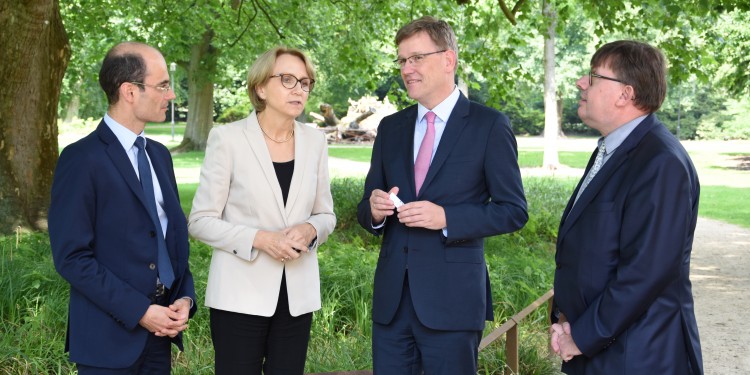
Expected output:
(510, 330)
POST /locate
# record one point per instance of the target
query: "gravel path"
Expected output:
(720, 272)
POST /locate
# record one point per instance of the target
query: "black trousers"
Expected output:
(250, 344)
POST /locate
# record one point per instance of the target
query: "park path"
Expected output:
(720, 272)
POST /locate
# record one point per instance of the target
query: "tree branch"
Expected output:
(247, 26)
(511, 14)
(270, 20)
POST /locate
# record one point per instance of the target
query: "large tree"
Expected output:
(34, 53)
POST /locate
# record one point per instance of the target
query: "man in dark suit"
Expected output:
(623, 299)
(118, 234)
(454, 163)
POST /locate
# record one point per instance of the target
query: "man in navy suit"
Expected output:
(454, 163)
(623, 298)
(117, 231)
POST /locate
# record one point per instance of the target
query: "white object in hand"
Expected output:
(396, 200)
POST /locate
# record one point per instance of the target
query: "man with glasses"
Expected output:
(454, 163)
(623, 302)
(117, 230)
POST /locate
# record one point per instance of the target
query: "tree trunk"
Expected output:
(551, 161)
(201, 71)
(34, 51)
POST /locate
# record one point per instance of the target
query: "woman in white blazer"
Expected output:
(264, 204)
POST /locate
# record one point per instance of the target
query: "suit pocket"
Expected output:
(464, 254)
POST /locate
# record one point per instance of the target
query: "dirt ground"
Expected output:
(720, 267)
(720, 272)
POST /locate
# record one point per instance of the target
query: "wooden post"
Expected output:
(511, 348)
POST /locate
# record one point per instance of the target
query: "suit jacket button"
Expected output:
(558, 266)
(152, 266)
(152, 234)
(406, 249)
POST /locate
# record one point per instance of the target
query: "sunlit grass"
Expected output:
(724, 203)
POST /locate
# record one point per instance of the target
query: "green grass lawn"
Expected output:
(526, 159)
(353, 153)
(534, 159)
(727, 204)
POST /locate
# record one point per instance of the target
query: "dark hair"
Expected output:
(639, 65)
(439, 31)
(120, 65)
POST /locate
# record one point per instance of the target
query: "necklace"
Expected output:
(291, 134)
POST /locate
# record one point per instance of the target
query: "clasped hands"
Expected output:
(287, 244)
(418, 214)
(167, 321)
(562, 342)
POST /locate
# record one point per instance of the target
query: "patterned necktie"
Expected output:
(422, 164)
(164, 265)
(594, 168)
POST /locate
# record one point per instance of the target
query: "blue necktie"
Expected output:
(166, 274)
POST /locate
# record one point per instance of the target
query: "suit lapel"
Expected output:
(257, 143)
(456, 123)
(405, 135)
(121, 161)
(171, 201)
(301, 150)
(621, 155)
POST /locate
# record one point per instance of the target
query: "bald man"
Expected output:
(117, 231)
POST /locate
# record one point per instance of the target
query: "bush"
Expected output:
(235, 113)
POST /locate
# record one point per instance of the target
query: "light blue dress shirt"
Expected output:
(127, 140)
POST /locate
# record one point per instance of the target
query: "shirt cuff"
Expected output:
(189, 299)
(380, 225)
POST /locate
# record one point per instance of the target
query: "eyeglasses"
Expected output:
(415, 59)
(289, 81)
(592, 74)
(163, 88)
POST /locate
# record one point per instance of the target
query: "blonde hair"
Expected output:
(262, 68)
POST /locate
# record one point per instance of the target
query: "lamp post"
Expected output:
(172, 68)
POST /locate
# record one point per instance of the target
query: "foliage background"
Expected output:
(351, 45)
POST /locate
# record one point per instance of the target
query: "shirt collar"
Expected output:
(615, 139)
(442, 110)
(123, 134)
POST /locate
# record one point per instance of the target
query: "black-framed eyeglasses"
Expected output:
(163, 88)
(290, 81)
(415, 59)
(592, 74)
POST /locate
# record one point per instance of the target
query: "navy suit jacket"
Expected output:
(104, 244)
(474, 176)
(623, 260)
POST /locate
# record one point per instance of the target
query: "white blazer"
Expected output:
(238, 195)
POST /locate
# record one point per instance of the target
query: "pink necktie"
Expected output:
(422, 164)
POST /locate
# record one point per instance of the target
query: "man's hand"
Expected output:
(381, 205)
(422, 214)
(163, 321)
(562, 342)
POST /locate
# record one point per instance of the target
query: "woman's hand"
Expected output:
(278, 245)
(304, 233)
